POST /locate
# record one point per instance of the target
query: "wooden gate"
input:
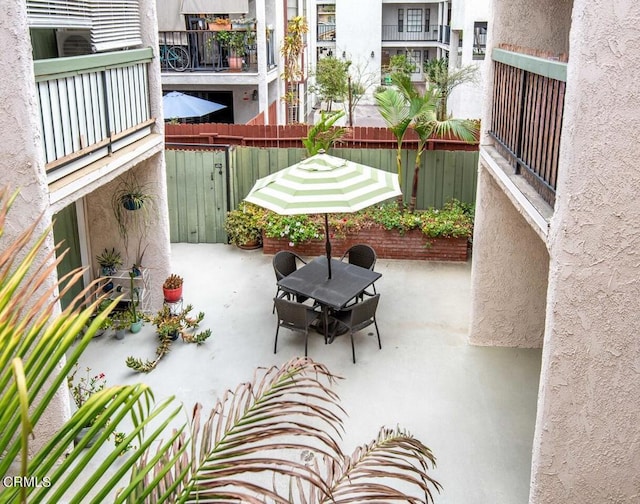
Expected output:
(197, 195)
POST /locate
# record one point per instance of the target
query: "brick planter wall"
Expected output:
(387, 244)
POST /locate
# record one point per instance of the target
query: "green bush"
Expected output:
(455, 220)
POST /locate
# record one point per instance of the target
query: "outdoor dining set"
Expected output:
(343, 291)
(345, 302)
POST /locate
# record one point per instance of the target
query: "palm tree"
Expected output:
(283, 425)
(427, 125)
(399, 110)
(446, 80)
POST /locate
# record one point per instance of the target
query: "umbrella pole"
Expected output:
(327, 242)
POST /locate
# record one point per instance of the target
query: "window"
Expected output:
(414, 20)
(413, 57)
(327, 22)
(400, 20)
(479, 39)
(427, 20)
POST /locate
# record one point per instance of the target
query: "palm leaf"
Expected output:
(392, 468)
(33, 346)
(395, 110)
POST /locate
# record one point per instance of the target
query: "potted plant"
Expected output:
(109, 261)
(244, 225)
(81, 390)
(169, 325)
(218, 24)
(172, 288)
(130, 204)
(136, 269)
(122, 320)
(236, 43)
(136, 319)
(243, 23)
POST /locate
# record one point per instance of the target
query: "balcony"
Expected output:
(528, 106)
(327, 32)
(202, 51)
(91, 106)
(400, 33)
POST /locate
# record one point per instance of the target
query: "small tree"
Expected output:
(439, 74)
(292, 48)
(331, 80)
(323, 134)
(400, 65)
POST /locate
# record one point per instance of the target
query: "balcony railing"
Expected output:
(327, 32)
(528, 106)
(91, 106)
(200, 50)
(405, 33)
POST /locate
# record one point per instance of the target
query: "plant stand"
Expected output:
(175, 307)
(121, 286)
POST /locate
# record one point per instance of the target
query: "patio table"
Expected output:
(346, 282)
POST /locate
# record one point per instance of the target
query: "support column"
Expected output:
(509, 273)
(587, 439)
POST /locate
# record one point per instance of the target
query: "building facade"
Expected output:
(82, 112)
(555, 261)
(200, 42)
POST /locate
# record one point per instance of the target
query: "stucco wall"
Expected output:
(587, 441)
(22, 163)
(148, 226)
(509, 273)
(541, 25)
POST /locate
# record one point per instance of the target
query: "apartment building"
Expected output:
(200, 42)
(81, 107)
(469, 26)
(556, 257)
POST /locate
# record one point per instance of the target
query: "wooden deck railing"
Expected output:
(91, 106)
(528, 106)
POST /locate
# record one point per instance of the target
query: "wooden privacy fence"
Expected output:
(444, 174)
(291, 135)
(204, 184)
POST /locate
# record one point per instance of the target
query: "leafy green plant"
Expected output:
(454, 220)
(130, 203)
(295, 228)
(323, 134)
(264, 425)
(244, 224)
(331, 80)
(109, 261)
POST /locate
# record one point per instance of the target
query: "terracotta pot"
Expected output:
(252, 245)
(219, 27)
(172, 295)
(235, 63)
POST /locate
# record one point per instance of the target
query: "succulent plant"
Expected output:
(173, 281)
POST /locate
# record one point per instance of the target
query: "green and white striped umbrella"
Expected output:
(324, 184)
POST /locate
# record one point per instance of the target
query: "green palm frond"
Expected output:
(395, 110)
(33, 369)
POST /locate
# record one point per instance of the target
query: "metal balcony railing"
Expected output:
(406, 33)
(526, 122)
(327, 32)
(203, 50)
(91, 106)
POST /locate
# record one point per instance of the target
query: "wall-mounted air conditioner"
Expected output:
(73, 42)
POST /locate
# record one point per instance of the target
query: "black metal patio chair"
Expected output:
(364, 256)
(284, 263)
(296, 317)
(356, 317)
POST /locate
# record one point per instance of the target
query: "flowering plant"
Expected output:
(85, 386)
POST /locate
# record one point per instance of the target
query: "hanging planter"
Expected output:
(132, 201)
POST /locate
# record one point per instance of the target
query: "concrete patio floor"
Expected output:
(473, 406)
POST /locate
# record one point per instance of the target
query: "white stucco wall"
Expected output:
(465, 101)
(358, 38)
(22, 163)
(587, 441)
(509, 273)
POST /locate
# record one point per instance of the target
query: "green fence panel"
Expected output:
(197, 195)
(200, 192)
